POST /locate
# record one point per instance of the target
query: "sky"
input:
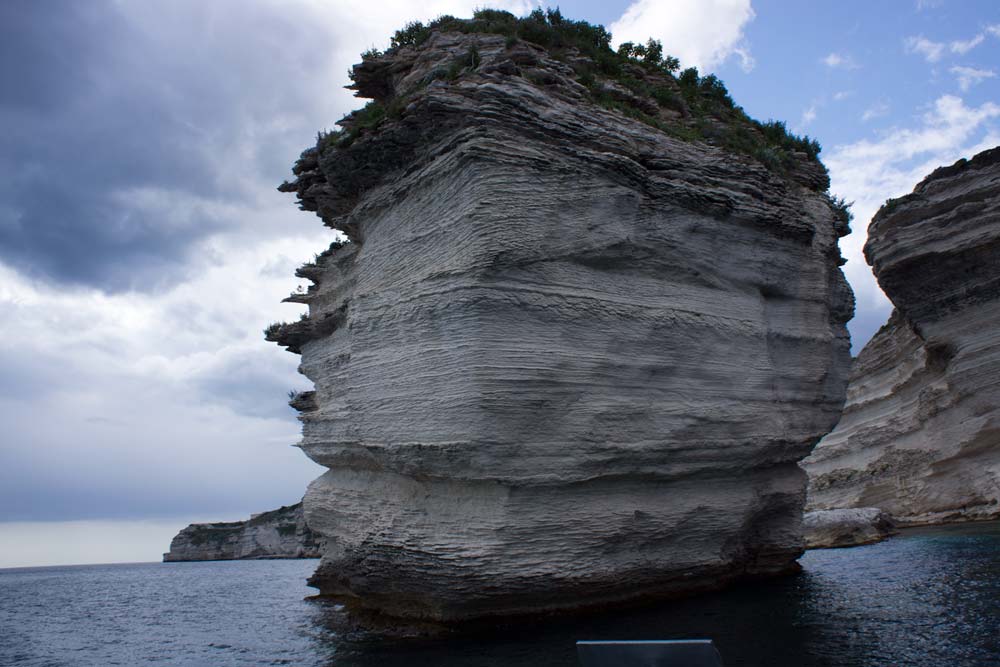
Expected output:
(143, 246)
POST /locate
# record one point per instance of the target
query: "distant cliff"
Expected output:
(280, 533)
(920, 435)
(588, 319)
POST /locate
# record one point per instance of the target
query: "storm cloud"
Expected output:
(144, 246)
(129, 127)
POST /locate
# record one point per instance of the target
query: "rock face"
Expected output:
(280, 533)
(565, 359)
(846, 527)
(920, 436)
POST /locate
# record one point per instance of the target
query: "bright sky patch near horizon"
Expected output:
(143, 246)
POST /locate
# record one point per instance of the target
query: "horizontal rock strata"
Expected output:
(824, 529)
(920, 435)
(566, 359)
(280, 533)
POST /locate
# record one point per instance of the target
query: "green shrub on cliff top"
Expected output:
(651, 55)
(842, 209)
(716, 118)
(412, 34)
(546, 28)
(777, 134)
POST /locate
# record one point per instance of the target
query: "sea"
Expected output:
(930, 596)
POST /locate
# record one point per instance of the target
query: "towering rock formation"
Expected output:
(572, 352)
(280, 533)
(920, 436)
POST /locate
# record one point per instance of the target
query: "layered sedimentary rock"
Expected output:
(565, 359)
(920, 435)
(824, 529)
(280, 533)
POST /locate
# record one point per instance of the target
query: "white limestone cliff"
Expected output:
(920, 435)
(566, 358)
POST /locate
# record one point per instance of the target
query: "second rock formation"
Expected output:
(920, 435)
(280, 533)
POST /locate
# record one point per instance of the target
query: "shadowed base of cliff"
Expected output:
(354, 621)
(447, 555)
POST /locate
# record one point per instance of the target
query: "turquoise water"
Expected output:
(929, 597)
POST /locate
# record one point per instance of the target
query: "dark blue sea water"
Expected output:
(929, 597)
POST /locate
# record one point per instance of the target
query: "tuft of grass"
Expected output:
(778, 135)
(667, 98)
(890, 205)
(469, 61)
(369, 117)
(413, 33)
(321, 257)
(328, 138)
(842, 209)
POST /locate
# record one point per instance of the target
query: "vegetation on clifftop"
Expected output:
(842, 209)
(707, 111)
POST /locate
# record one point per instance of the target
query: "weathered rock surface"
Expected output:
(824, 529)
(566, 359)
(280, 533)
(920, 435)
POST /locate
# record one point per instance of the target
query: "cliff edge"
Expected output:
(588, 318)
(280, 533)
(920, 435)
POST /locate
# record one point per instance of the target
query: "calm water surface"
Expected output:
(929, 597)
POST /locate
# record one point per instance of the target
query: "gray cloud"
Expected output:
(119, 120)
(251, 384)
(139, 446)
